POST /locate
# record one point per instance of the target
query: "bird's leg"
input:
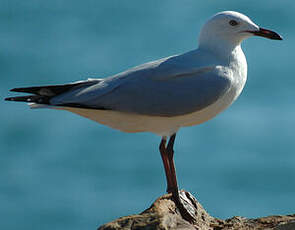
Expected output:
(165, 160)
(174, 188)
(170, 154)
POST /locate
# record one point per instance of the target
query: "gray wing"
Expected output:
(152, 91)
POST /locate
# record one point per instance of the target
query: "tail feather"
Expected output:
(43, 94)
(52, 90)
(30, 99)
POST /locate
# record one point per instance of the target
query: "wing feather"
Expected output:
(171, 95)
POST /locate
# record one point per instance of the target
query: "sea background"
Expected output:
(61, 171)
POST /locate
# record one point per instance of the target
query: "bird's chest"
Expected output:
(239, 77)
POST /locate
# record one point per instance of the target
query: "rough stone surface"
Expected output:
(163, 215)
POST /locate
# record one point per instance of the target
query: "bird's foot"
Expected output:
(186, 205)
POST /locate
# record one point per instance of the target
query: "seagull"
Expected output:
(164, 95)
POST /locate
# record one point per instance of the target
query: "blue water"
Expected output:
(61, 171)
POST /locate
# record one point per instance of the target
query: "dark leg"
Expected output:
(170, 153)
(174, 187)
(165, 160)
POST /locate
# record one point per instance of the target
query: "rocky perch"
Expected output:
(163, 215)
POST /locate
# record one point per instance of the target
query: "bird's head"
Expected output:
(232, 28)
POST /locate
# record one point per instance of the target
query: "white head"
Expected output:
(229, 28)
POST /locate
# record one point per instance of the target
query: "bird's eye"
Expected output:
(233, 22)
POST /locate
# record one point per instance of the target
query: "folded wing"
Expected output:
(171, 86)
(167, 95)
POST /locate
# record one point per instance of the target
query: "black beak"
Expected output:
(267, 34)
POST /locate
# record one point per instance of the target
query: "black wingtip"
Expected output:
(20, 90)
(16, 99)
(8, 99)
(29, 99)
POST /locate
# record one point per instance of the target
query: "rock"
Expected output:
(163, 215)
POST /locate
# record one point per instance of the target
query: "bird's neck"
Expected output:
(228, 54)
(223, 49)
